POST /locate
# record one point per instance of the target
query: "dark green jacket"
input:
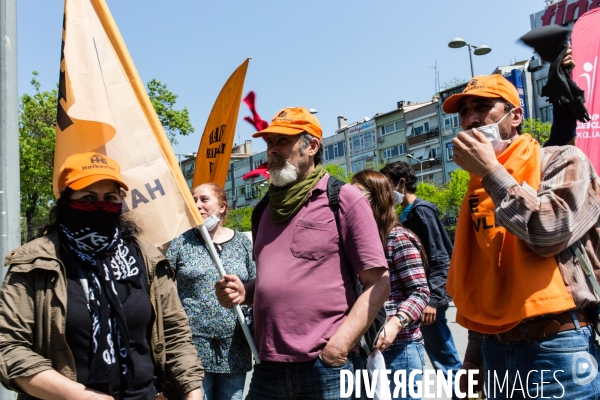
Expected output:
(33, 304)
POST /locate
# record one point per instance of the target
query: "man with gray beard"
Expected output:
(308, 319)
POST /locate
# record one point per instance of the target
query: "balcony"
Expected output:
(424, 137)
(435, 132)
(426, 164)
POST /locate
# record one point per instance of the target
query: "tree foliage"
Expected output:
(175, 122)
(37, 132)
(449, 196)
(539, 130)
(337, 171)
(240, 219)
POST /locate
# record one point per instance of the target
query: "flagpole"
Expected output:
(10, 224)
(236, 307)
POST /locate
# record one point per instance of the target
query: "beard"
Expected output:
(281, 171)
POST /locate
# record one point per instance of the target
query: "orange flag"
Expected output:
(214, 152)
(103, 107)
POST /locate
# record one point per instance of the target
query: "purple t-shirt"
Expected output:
(304, 288)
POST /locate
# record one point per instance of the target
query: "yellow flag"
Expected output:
(214, 152)
(103, 107)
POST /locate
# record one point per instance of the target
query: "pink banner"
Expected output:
(586, 53)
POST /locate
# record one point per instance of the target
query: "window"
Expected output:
(393, 127)
(540, 83)
(362, 142)
(449, 152)
(334, 151)
(394, 151)
(426, 126)
(427, 178)
(341, 149)
(328, 152)
(434, 153)
(256, 163)
(546, 114)
(419, 130)
(451, 121)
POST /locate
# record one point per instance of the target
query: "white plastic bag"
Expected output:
(382, 386)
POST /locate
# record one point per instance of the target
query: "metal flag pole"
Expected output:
(10, 224)
(236, 307)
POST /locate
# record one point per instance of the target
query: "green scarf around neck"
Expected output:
(285, 202)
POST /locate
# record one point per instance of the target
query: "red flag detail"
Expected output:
(255, 120)
(262, 169)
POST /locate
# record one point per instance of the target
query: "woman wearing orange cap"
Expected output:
(90, 311)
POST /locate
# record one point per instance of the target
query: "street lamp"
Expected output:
(457, 43)
(420, 162)
(188, 156)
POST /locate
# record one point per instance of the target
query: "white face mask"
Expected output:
(492, 133)
(211, 222)
(398, 197)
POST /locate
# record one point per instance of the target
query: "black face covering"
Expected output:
(90, 227)
(92, 236)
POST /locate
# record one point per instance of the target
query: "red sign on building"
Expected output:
(563, 13)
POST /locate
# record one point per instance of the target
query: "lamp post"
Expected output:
(420, 162)
(187, 156)
(457, 43)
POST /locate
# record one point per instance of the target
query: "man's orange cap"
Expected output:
(491, 86)
(293, 121)
(81, 170)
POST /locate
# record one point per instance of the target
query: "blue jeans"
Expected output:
(308, 380)
(439, 344)
(409, 357)
(561, 365)
(218, 386)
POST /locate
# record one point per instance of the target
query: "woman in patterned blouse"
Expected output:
(401, 341)
(219, 340)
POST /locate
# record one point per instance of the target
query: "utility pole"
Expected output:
(10, 222)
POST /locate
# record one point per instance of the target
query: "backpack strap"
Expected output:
(334, 186)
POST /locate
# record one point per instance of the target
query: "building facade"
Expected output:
(392, 145)
(424, 141)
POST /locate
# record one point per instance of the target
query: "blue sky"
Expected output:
(351, 58)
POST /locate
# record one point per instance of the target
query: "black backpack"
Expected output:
(333, 195)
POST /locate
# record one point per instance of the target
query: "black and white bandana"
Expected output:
(92, 235)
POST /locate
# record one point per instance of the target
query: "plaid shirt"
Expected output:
(410, 292)
(565, 211)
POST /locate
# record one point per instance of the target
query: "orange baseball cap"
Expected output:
(293, 121)
(491, 86)
(81, 170)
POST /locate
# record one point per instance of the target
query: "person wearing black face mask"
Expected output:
(84, 311)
